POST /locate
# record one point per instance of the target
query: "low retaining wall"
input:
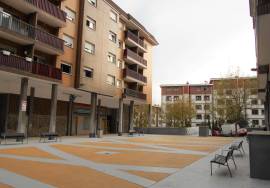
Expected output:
(171, 131)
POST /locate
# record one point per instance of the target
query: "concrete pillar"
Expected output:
(120, 125)
(92, 130)
(53, 110)
(22, 117)
(98, 114)
(70, 115)
(157, 117)
(149, 116)
(131, 115)
(30, 109)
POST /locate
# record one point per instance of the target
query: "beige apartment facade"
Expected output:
(100, 66)
(260, 13)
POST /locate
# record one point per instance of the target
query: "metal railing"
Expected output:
(263, 7)
(49, 39)
(133, 55)
(21, 64)
(135, 38)
(49, 7)
(135, 94)
(135, 75)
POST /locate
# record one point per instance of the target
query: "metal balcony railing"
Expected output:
(135, 38)
(135, 75)
(133, 55)
(135, 94)
(49, 39)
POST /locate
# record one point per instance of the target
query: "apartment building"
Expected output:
(210, 99)
(72, 67)
(199, 95)
(260, 13)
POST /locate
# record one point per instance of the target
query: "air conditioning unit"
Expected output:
(5, 52)
(29, 59)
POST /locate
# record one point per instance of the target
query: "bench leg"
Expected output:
(234, 162)
(229, 169)
(243, 149)
(211, 169)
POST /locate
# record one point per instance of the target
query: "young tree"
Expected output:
(179, 114)
(141, 116)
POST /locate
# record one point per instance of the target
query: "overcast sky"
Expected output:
(199, 39)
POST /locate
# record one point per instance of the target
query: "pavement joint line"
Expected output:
(15, 180)
(99, 167)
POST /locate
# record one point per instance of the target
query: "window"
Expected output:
(206, 107)
(66, 68)
(110, 80)
(263, 122)
(93, 2)
(207, 116)
(88, 72)
(119, 64)
(254, 91)
(112, 36)
(90, 23)
(262, 112)
(169, 98)
(119, 84)
(199, 116)
(68, 41)
(254, 102)
(111, 58)
(198, 98)
(120, 44)
(229, 101)
(207, 98)
(255, 122)
(89, 47)
(255, 112)
(228, 92)
(220, 102)
(198, 107)
(70, 15)
(113, 16)
(176, 98)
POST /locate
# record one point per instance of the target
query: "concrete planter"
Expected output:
(204, 131)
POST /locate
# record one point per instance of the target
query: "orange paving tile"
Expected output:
(65, 176)
(132, 157)
(202, 148)
(4, 186)
(28, 152)
(149, 175)
(111, 144)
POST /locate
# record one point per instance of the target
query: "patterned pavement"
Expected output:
(108, 162)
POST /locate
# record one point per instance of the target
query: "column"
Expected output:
(157, 116)
(149, 116)
(131, 115)
(22, 117)
(53, 110)
(30, 109)
(70, 115)
(120, 125)
(92, 130)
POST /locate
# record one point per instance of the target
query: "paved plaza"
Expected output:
(139, 161)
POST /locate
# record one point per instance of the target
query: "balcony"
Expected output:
(263, 8)
(130, 75)
(133, 41)
(135, 94)
(21, 32)
(48, 12)
(20, 64)
(132, 57)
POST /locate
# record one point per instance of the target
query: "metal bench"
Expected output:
(223, 160)
(131, 132)
(238, 146)
(18, 136)
(49, 137)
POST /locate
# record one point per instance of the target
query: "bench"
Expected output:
(223, 160)
(238, 146)
(49, 136)
(18, 136)
(131, 132)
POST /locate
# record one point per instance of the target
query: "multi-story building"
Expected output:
(199, 95)
(260, 12)
(241, 90)
(72, 66)
(208, 102)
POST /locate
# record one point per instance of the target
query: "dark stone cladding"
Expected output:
(263, 7)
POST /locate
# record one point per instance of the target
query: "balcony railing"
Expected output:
(49, 39)
(133, 55)
(20, 63)
(263, 7)
(49, 7)
(135, 94)
(135, 75)
(11, 23)
(135, 38)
